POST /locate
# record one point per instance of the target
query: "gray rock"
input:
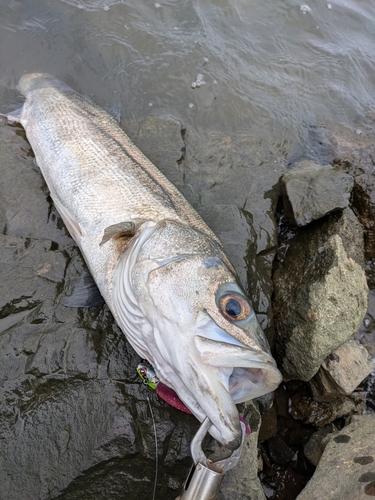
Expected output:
(268, 426)
(347, 467)
(242, 481)
(75, 420)
(320, 293)
(304, 407)
(366, 333)
(315, 446)
(360, 164)
(280, 453)
(312, 191)
(342, 371)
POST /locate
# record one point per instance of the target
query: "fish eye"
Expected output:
(234, 306)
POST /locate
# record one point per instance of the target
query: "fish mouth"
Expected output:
(257, 382)
(243, 373)
(246, 372)
(232, 373)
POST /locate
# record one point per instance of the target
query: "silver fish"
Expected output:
(162, 272)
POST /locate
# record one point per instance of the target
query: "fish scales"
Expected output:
(85, 136)
(162, 272)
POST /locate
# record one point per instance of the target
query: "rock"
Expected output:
(314, 448)
(341, 372)
(268, 426)
(312, 191)
(366, 333)
(233, 183)
(360, 164)
(320, 293)
(304, 407)
(347, 467)
(242, 481)
(75, 420)
(279, 451)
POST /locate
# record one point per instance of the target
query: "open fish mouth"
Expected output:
(243, 373)
(249, 381)
(233, 374)
(246, 372)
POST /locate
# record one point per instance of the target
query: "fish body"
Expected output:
(160, 269)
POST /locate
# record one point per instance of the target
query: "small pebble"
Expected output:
(173, 484)
(157, 5)
(191, 105)
(329, 6)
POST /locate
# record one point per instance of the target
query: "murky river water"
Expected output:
(274, 67)
(221, 95)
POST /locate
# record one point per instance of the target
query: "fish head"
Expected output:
(206, 342)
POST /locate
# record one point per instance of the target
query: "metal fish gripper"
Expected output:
(205, 476)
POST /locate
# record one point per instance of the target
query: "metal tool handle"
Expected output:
(205, 476)
(201, 484)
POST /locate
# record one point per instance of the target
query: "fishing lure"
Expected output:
(149, 377)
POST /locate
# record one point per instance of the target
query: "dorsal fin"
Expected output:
(118, 230)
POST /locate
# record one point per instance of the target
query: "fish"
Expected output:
(160, 269)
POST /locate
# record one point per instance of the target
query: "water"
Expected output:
(270, 67)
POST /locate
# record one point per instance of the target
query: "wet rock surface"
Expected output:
(242, 481)
(360, 164)
(312, 191)
(314, 448)
(76, 422)
(343, 371)
(284, 469)
(320, 294)
(304, 407)
(346, 469)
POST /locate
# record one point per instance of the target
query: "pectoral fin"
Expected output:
(85, 293)
(118, 231)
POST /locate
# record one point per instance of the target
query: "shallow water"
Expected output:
(274, 68)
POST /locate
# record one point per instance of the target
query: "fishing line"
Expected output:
(156, 448)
